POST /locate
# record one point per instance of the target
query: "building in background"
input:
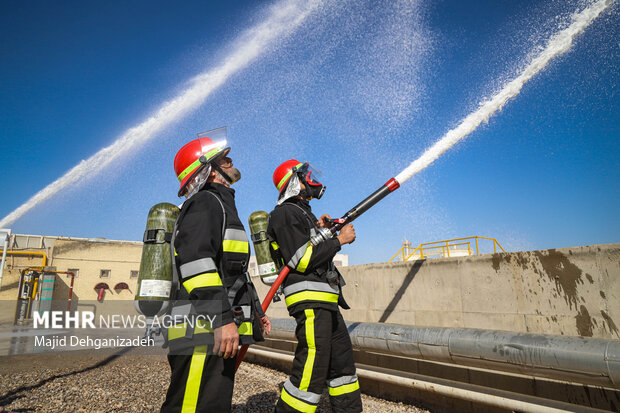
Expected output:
(101, 270)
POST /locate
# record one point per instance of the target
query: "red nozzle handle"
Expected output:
(392, 184)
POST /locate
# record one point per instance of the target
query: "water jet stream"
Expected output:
(284, 17)
(557, 45)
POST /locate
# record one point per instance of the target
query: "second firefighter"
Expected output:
(313, 295)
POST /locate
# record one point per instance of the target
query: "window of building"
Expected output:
(105, 274)
(75, 271)
(133, 274)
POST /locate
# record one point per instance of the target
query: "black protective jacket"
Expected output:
(212, 254)
(290, 227)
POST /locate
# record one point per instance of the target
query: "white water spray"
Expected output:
(558, 44)
(284, 18)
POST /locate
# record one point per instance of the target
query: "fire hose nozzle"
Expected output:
(323, 234)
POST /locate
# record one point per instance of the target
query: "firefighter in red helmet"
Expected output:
(313, 295)
(215, 307)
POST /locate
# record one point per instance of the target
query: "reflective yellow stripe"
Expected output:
(190, 168)
(311, 295)
(203, 326)
(305, 260)
(192, 387)
(196, 163)
(347, 388)
(307, 374)
(208, 279)
(274, 245)
(245, 329)
(297, 404)
(288, 175)
(178, 330)
(230, 245)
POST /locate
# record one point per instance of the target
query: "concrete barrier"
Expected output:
(568, 291)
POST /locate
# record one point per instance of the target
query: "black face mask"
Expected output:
(313, 189)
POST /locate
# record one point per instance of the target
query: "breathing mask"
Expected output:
(308, 175)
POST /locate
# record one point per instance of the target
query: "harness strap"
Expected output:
(312, 224)
(151, 236)
(333, 275)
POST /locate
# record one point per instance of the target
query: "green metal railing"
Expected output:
(442, 248)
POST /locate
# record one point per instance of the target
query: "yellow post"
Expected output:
(477, 251)
(448, 249)
(34, 288)
(500, 246)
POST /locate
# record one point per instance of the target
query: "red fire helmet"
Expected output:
(188, 160)
(283, 173)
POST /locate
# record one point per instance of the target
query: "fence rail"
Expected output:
(444, 249)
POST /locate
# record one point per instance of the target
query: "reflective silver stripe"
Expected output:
(300, 394)
(236, 235)
(311, 286)
(341, 381)
(181, 310)
(297, 256)
(197, 267)
(246, 311)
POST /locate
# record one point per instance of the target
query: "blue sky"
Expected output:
(360, 89)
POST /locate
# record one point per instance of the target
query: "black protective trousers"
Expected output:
(199, 382)
(324, 356)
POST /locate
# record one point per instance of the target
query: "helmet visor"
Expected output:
(311, 174)
(218, 148)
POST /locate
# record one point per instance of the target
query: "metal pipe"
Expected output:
(70, 290)
(473, 393)
(40, 254)
(577, 359)
(7, 236)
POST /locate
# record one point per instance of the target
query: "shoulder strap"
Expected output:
(223, 212)
(312, 223)
(176, 285)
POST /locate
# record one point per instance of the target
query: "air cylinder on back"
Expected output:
(267, 269)
(155, 277)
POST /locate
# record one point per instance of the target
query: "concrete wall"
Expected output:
(569, 291)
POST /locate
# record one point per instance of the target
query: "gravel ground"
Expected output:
(113, 382)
